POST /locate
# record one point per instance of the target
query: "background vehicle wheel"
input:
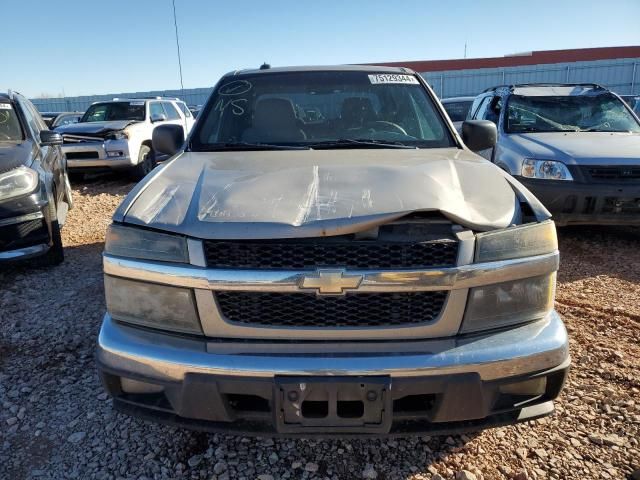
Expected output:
(146, 163)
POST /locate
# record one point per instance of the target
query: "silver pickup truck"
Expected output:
(325, 255)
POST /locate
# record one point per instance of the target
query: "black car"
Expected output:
(34, 188)
(57, 119)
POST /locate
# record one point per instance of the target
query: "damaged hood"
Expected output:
(95, 127)
(580, 148)
(305, 193)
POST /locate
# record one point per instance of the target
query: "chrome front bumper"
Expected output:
(100, 149)
(158, 357)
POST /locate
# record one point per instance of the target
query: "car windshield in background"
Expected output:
(579, 113)
(104, 112)
(457, 111)
(320, 110)
(10, 129)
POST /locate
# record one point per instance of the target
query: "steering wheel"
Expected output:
(382, 123)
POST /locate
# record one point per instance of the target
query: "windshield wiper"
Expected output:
(216, 147)
(359, 143)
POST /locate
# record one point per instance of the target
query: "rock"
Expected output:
(12, 421)
(523, 453)
(76, 437)
(521, 475)
(369, 472)
(296, 465)
(437, 476)
(465, 475)
(265, 476)
(613, 439)
(219, 467)
(194, 461)
(311, 467)
(541, 452)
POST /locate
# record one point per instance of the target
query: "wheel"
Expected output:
(55, 254)
(146, 163)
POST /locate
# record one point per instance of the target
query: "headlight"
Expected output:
(120, 135)
(545, 170)
(143, 244)
(152, 305)
(16, 182)
(516, 242)
(509, 303)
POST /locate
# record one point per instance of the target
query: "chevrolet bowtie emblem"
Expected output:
(330, 282)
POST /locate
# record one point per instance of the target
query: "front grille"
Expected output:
(68, 138)
(354, 254)
(615, 173)
(81, 155)
(23, 234)
(350, 310)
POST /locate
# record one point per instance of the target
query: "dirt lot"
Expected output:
(55, 421)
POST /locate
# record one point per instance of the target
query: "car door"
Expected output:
(50, 156)
(189, 119)
(489, 109)
(173, 116)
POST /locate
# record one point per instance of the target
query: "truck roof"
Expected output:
(550, 89)
(325, 68)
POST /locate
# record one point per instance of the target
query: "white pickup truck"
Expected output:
(117, 134)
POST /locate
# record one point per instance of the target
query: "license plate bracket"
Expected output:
(333, 404)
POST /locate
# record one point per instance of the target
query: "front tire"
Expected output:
(146, 163)
(55, 254)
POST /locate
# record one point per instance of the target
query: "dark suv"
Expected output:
(575, 146)
(34, 189)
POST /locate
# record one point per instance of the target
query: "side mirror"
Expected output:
(47, 137)
(158, 117)
(167, 139)
(479, 134)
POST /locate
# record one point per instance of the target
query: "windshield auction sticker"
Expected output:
(5, 106)
(382, 78)
(137, 103)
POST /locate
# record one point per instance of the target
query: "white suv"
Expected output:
(117, 134)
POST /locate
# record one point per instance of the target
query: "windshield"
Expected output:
(320, 110)
(584, 113)
(103, 112)
(457, 111)
(10, 129)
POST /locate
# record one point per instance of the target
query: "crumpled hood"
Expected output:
(13, 155)
(304, 193)
(95, 127)
(580, 148)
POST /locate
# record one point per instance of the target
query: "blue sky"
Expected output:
(83, 47)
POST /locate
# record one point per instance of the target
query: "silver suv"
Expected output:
(324, 255)
(117, 134)
(575, 146)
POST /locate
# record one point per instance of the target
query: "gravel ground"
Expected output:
(55, 421)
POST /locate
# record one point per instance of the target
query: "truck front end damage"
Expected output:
(376, 323)
(105, 146)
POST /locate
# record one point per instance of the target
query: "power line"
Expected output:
(175, 24)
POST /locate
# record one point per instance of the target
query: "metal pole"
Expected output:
(633, 78)
(175, 24)
(568, 67)
(442, 86)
